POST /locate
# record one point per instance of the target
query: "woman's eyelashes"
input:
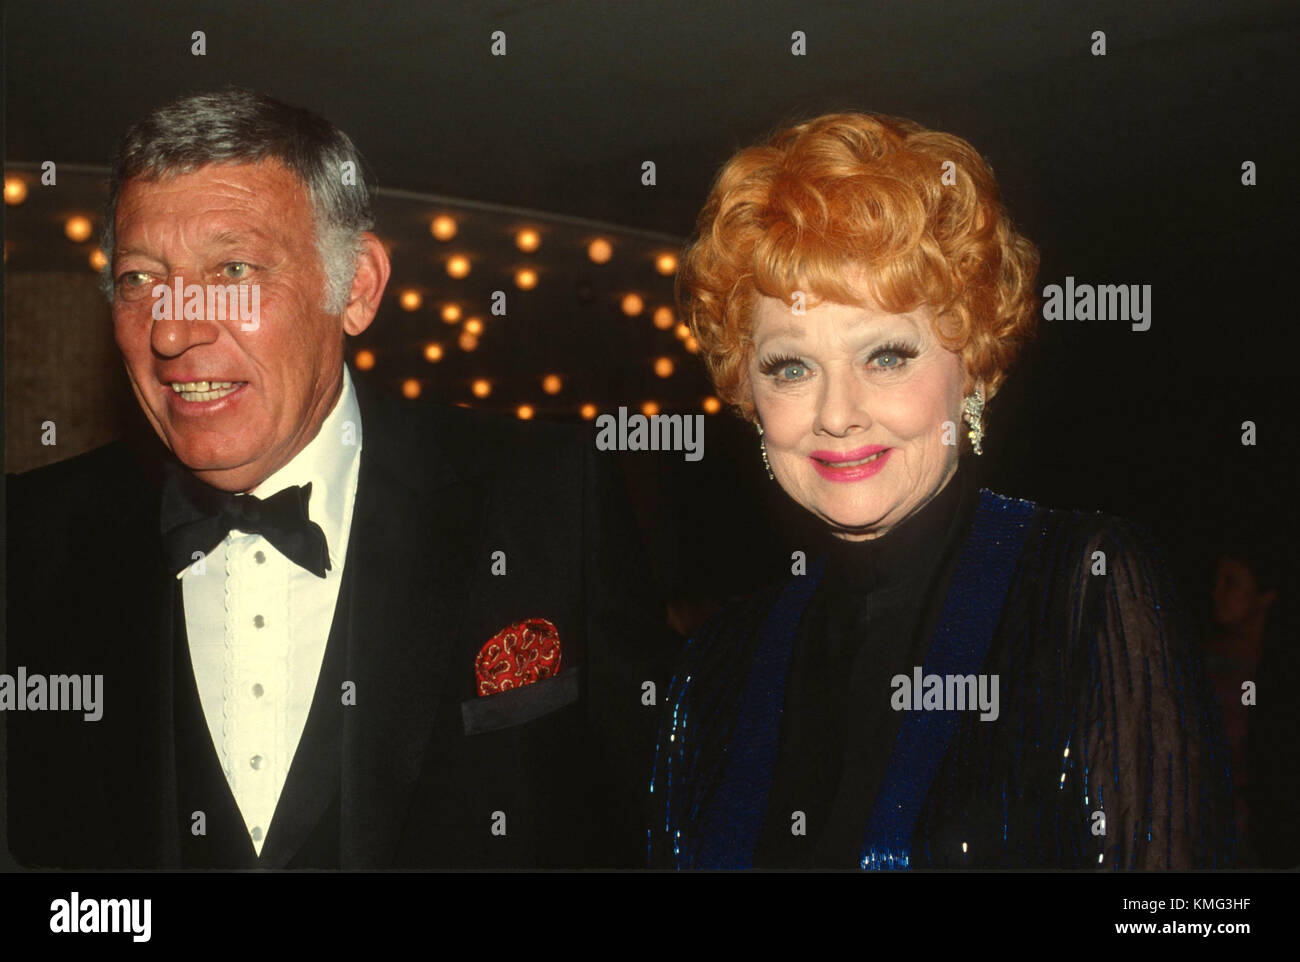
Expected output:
(897, 354)
(784, 368)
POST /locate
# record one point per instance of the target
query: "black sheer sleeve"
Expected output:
(1154, 756)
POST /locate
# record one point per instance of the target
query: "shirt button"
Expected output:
(259, 557)
(258, 621)
(257, 834)
(256, 762)
(258, 690)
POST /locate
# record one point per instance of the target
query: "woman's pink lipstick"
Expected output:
(840, 466)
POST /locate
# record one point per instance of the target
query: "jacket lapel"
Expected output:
(313, 779)
(148, 667)
(959, 646)
(735, 815)
(415, 540)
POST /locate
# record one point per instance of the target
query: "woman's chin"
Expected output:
(855, 525)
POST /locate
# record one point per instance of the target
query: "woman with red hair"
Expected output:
(961, 679)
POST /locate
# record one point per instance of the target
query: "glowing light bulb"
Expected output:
(443, 227)
(15, 191)
(77, 228)
(458, 266)
(632, 304)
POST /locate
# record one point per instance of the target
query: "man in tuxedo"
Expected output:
(331, 633)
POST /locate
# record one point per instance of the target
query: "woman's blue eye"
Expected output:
(892, 357)
(784, 369)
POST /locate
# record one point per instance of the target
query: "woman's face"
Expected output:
(841, 384)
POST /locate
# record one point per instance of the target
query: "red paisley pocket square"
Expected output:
(518, 655)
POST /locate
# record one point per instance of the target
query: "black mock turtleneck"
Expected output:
(871, 619)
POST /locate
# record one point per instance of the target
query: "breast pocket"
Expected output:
(519, 705)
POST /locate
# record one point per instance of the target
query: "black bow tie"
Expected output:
(197, 516)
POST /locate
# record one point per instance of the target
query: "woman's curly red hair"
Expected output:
(848, 195)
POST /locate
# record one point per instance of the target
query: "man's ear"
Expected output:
(368, 285)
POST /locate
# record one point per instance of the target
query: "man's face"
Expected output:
(242, 224)
(1237, 598)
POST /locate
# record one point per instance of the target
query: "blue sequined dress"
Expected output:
(1106, 750)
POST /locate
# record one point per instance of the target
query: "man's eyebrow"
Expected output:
(121, 252)
(230, 235)
(236, 235)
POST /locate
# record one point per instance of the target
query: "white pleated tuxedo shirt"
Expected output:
(258, 623)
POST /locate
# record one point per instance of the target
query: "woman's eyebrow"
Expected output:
(862, 332)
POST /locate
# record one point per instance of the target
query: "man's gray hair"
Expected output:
(235, 126)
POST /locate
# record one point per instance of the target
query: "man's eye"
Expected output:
(133, 284)
(236, 270)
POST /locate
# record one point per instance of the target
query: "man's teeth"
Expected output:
(853, 464)
(204, 390)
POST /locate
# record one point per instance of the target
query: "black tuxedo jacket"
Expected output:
(419, 772)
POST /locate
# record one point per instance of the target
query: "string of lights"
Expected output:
(525, 312)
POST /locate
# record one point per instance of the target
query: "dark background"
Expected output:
(1123, 169)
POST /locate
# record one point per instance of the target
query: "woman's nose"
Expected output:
(843, 404)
